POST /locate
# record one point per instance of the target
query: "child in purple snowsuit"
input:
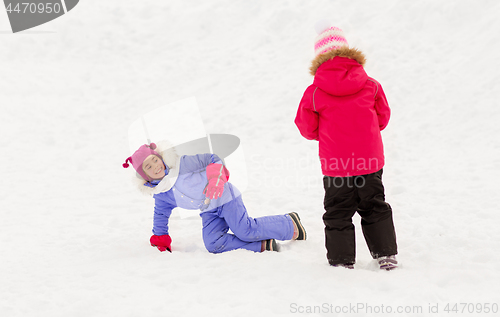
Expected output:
(201, 182)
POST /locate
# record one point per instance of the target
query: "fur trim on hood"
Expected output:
(172, 160)
(352, 53)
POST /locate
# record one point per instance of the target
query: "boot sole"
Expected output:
(388, 264)
(272, 245)
(296, 219)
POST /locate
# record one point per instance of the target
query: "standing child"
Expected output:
(201, 182)
(345, 110)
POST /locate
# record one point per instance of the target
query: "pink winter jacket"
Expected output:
(345, 110)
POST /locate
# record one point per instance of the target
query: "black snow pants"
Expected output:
(344, 196)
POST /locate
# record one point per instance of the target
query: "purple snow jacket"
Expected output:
(187, 190)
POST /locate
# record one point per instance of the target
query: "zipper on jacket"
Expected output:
(314, 104)
(376, 91)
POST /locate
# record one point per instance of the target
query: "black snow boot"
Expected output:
(271, 245)
(296, 220)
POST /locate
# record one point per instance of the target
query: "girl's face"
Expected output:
(153, 167)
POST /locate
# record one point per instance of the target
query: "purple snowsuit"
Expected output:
(224, 213)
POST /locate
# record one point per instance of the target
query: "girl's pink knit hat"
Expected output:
(139, 156)
(329, 38)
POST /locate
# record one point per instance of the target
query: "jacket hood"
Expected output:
(340, 72)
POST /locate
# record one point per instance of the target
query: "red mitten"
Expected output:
(217, 175)
(161, 242)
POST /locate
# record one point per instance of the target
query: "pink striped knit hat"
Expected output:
(329, 38)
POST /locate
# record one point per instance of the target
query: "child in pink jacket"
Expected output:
(345, 110)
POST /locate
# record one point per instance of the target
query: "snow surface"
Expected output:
(74, 238)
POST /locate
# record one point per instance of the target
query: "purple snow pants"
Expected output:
(248, 232)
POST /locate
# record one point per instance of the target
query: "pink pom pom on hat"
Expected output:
(139, 156)
(329, 38)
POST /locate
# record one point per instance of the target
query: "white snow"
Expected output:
(74, 231)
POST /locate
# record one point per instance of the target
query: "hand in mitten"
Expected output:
(161, 242)
(217, 175)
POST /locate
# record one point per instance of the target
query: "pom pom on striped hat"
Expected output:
(329, 38)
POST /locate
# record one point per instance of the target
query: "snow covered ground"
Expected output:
(74, 232)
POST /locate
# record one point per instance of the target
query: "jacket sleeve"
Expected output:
(382, 107)
(192, 163)
(163, 210)
(307, 119)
